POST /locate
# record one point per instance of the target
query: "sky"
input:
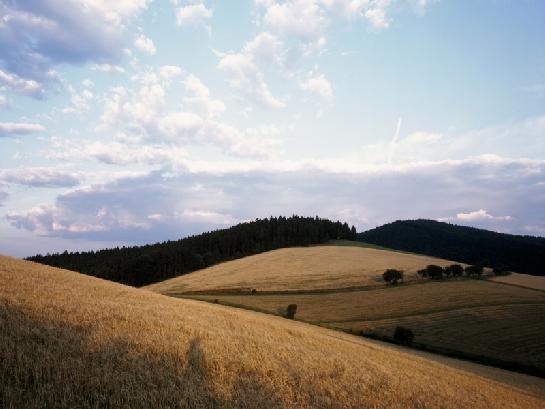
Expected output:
(138, 121)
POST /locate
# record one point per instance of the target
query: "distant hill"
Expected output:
(523, 254)
(141, 265)
(321, 267)
(71, 341)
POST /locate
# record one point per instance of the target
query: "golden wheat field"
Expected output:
(522, 280)
(300, 268)
(472, 316)
(68, 340)
(388, 302)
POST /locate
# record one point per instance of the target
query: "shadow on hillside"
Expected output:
(52, 364)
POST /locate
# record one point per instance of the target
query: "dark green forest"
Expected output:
(523, 254)
(142, 265)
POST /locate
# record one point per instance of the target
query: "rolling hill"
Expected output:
(300, 269)
(341, 287)
(69, 340)
(521, 254)
(141, 265)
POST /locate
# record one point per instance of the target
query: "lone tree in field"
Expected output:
(290, 311)
(454, 270)
(403, 335)
(392, 276)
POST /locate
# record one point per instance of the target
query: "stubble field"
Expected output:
(68, 340)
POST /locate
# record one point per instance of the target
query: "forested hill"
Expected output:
(523, 254)
(142, 265)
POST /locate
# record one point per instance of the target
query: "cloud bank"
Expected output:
(162, 205)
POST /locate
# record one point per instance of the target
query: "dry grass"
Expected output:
(388, 302)
(68, 340)
(510, 332)
(496, 320)
(300, 268)
(522, 280)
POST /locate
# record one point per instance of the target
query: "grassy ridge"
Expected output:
(68, 340)
(300, 268)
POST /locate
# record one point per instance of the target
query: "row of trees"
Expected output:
(141, 265)
(435, 272)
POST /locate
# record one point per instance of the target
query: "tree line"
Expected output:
(435, 272)
(142, 265)
(523, 254)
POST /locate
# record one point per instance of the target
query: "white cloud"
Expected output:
(170, 71)
(141, 115)
(477, 215)
(364, 196)
(19, 128)
(245, 74)
(21, 85)
(40, 177)
(304, 19)
(319, 85)
(80, 101)
(117, 153)
(193, 14)
(87, 83)
(108, 68)
(36, 37)
(200, 97)
(377, 17)
(145, 44)
(307, 20)
(451, 144)
(266, 47)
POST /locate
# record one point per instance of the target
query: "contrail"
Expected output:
(394, 140)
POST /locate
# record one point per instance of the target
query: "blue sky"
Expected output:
(136, 121)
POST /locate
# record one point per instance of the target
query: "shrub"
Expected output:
(501, 271)
(454, 270)
(392, 276)
(422, 272)
(434, 271)
(403, 335)
(290, 311)
(474, 271)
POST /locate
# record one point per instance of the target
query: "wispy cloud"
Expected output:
(19, 128)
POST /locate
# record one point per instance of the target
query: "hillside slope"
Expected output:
(522, 254)
(141, 265)
(68, 340)
(299, 268)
